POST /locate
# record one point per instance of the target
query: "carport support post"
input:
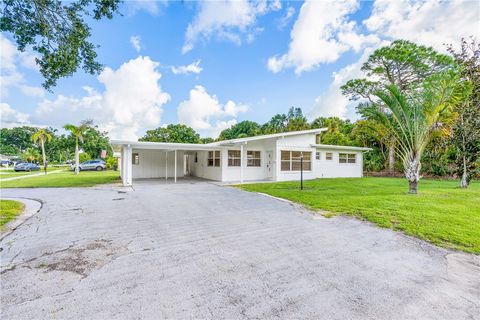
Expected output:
(166, 165)
(175, 167)
(241, 163)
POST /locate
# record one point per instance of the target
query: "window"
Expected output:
(328, 156)
(234, 159)
(318, 155)
(347, 157)
(213, 159)
(253, 159)
(135, 158)
(291, 161)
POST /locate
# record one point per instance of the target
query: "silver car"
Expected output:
(97, 165)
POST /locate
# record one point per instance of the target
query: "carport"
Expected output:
(144, 160)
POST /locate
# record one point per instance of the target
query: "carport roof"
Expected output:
(161, 145)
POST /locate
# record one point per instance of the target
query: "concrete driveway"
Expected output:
(198, 250)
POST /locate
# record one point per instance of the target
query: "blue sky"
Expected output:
(212, 64)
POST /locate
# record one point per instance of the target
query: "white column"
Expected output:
(166, 165)
(175, 167)
(128, 165)
(241, 163)
(123, 168)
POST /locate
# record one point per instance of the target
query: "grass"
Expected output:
(441, 213)
(9, 209)
(10, 173)
(64, 179)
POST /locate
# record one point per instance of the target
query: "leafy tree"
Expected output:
(31, 155)
(178, 133)
(206, 140)
(239, 130)
(296, 120)
(78, 132)
(57, 31)
(403, 64)
(338, 131)
(412, 118)
(466, 138)
(41, 136)
(16, 140)
(278, 123)
(95, 141)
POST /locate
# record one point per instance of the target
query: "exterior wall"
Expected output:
(333, 169)
(295, 143)
(230, 174)
(152, 164)
(202, 170)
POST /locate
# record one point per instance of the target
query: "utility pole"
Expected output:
(301, 171)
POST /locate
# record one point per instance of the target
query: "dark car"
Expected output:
(24, 166)
(97, 165)
(6, 163)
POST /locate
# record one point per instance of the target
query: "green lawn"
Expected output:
(9, 173)
(441, 213)
(64, 179)
(9, 209)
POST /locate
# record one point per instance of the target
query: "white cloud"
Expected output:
(203, 109)
(226, 20)
(132, 101)
(321, 34)
(193, 67)
(152, 7)
(427, 23)
(433, 23)
(135, 42)
(10, 75)
(12, 118)
(283, 21)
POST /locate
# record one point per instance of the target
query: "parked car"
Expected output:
(97, 165)
(6, 163)
(25, 166)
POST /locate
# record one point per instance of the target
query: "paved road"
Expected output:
(198, 250)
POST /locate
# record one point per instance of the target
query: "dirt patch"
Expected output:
(80, 259)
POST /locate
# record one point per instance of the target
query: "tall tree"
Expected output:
(16, 140)
(412, 118)
(78, 132)
(56, 30)
(41, 136)
(240, 130)
(296, 121)
(30, 154)
(467, 127)
(278, 123)
(403, 64)
(178, 133)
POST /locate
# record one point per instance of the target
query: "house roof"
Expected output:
(207, 146)
(266, 136)
(333, 147)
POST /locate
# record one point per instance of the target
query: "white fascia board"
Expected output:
(162, 145)
(334, 147)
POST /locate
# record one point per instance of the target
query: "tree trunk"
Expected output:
(391, 158)
(77, 158)
(412, 173)
(464, 179)
(44, 156)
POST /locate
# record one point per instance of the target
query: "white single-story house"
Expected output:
(274, 157)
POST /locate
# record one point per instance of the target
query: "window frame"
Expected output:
(347, 158)
(214, 158)
(135, 158)
(232, 159)
(329, 156)
(253, 159)
(307, 163)
(318, 155)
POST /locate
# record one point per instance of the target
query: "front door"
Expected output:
(269, 165)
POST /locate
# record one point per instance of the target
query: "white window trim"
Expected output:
(347, 163)
(318, 155)
(291, 161)
(326, 159)
(213, 163)
(234, 158)
(259, 158)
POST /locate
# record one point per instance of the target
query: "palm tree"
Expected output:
(41, 136)
(413, 118)
(78, 132)
(30, 154)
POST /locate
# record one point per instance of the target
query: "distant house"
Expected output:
(274, 157)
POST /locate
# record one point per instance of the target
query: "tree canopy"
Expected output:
(179, 133)
(57, 31)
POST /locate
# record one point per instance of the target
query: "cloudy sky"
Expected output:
(212, 64)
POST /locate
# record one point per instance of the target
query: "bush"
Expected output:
(84, 157)
(111, 163)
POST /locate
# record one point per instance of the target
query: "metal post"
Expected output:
(166, 165)
(241, 163)
(301, 171)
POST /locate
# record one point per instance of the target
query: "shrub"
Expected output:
(111, 163)
(84, 157)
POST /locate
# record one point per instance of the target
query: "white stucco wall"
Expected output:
(152, 164)
(201, 168)
(295, 143)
